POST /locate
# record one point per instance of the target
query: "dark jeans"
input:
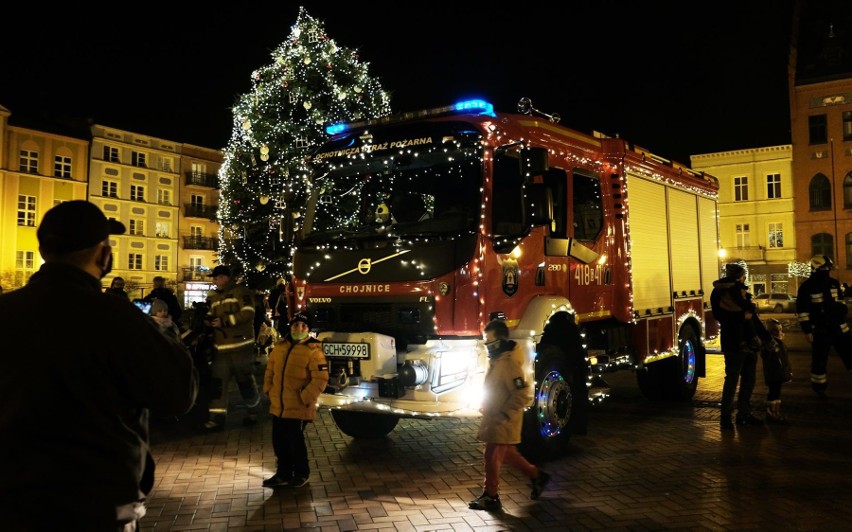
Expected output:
(740, 366)
(824, 340)
(288, 442)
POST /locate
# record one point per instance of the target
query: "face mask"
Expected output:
(298, 336)
(494, 347)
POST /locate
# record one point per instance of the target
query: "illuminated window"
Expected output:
(62, 166)
(24, 266)
(164, 229)
(776, 235)
(26, 210)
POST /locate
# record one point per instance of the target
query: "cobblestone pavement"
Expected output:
(643, 466)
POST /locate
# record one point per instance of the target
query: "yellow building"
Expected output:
(166, 193)
(199, 229)
(37, 171)
(134, 178)
(756, 212)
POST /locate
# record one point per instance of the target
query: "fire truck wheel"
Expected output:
(364, 424)
(560, 403)
(673, 378)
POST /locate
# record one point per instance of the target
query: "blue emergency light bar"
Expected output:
(466, 106)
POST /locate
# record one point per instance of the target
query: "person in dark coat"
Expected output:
(822, 318)
(740, 345)
(162, 292)
(78, 378)
(116, 288)
(776, 371)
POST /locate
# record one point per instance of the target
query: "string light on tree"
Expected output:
(310, 82)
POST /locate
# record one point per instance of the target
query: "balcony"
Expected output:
(201, 242)
(195, 274)
(204, 180)
(200, 211)
(747, 253)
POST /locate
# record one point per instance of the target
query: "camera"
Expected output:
(143, 305)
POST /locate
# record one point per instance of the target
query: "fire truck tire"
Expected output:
(673, 378)
(364, 424)
(561, 401)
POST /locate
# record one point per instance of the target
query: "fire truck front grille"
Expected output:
(409, 322)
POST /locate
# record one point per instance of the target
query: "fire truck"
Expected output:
(423, 227)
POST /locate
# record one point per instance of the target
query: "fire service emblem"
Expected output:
(510, 276)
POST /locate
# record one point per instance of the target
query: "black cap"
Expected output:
(220, 270)
(303, 317)
(75, 225)
(734, 270)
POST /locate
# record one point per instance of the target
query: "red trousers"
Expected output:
(495, 455)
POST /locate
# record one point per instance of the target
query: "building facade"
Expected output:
(199, 228)
(820, 84)
(166, 193)
(756, 213)
(37, 171)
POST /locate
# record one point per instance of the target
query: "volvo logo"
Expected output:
(364, 266)
(319, 300)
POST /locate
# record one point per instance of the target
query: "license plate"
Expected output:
(346, 350)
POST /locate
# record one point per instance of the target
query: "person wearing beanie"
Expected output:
(296, 374)
(741, 342)
(822, 318)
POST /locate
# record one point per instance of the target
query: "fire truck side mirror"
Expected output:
(533, 162)
(538, 204)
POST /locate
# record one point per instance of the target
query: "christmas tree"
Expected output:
(311, 83)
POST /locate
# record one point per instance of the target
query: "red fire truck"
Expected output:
(420, 228)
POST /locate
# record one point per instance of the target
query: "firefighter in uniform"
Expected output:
(232, 317)
(823, 320)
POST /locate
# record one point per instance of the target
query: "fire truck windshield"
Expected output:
(429, 188)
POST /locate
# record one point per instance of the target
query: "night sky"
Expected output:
(674, 80)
